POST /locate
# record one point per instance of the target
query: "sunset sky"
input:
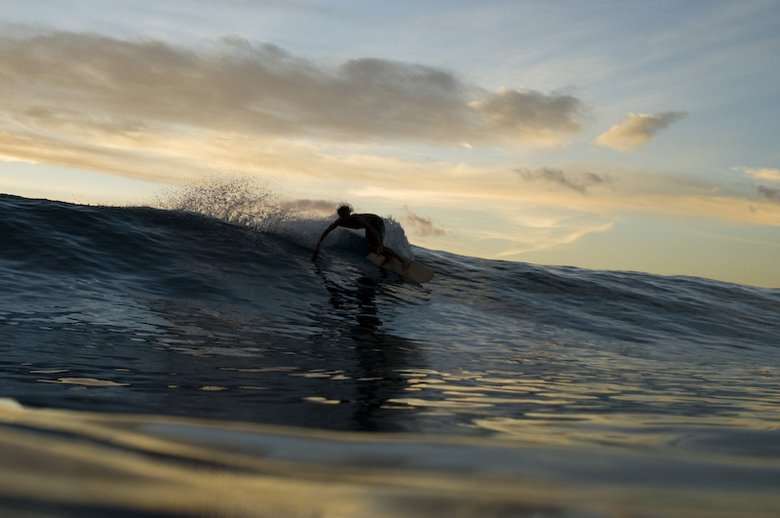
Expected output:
(600, 134)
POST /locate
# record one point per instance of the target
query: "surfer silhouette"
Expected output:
(375, 233)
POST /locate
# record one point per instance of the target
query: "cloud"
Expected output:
(555, 236)
(530, 115)
(764, 173)
(422, 226)
(69, 89)
(636, 130)
(580, 184)
(769, 193)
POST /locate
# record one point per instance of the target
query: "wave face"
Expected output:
(220, 314)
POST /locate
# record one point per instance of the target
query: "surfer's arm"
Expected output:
(327, 231)
(322, 238)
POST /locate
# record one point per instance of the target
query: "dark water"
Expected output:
(162, 362)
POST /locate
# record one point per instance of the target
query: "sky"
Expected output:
(603, 134)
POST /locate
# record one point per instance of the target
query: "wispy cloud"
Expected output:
(579, 183)
(760, 173)
(562, 234)
(636, 130)
(422, 226)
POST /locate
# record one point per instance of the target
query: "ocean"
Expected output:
(190, 359)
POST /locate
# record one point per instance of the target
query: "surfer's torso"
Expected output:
(358, 221)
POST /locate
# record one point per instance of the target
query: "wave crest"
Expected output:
(252, 204)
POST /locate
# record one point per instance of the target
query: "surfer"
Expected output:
(375, 233)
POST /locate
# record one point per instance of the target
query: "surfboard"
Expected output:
(416, 271)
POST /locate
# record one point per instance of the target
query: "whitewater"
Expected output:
(190, 359)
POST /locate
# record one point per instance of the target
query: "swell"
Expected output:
(672, 313)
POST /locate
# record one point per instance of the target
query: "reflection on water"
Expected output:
(379, 357)
(714, 409)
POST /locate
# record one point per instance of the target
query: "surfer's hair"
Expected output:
(344, 210)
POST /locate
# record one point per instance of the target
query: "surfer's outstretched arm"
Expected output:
(322, 238)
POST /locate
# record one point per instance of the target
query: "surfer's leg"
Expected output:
(380, 229)
(390, 253)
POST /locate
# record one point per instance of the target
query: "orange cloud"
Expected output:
(636, 130)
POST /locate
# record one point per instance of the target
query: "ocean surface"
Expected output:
(192, 360)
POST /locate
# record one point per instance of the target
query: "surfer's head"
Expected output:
(344, 211)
